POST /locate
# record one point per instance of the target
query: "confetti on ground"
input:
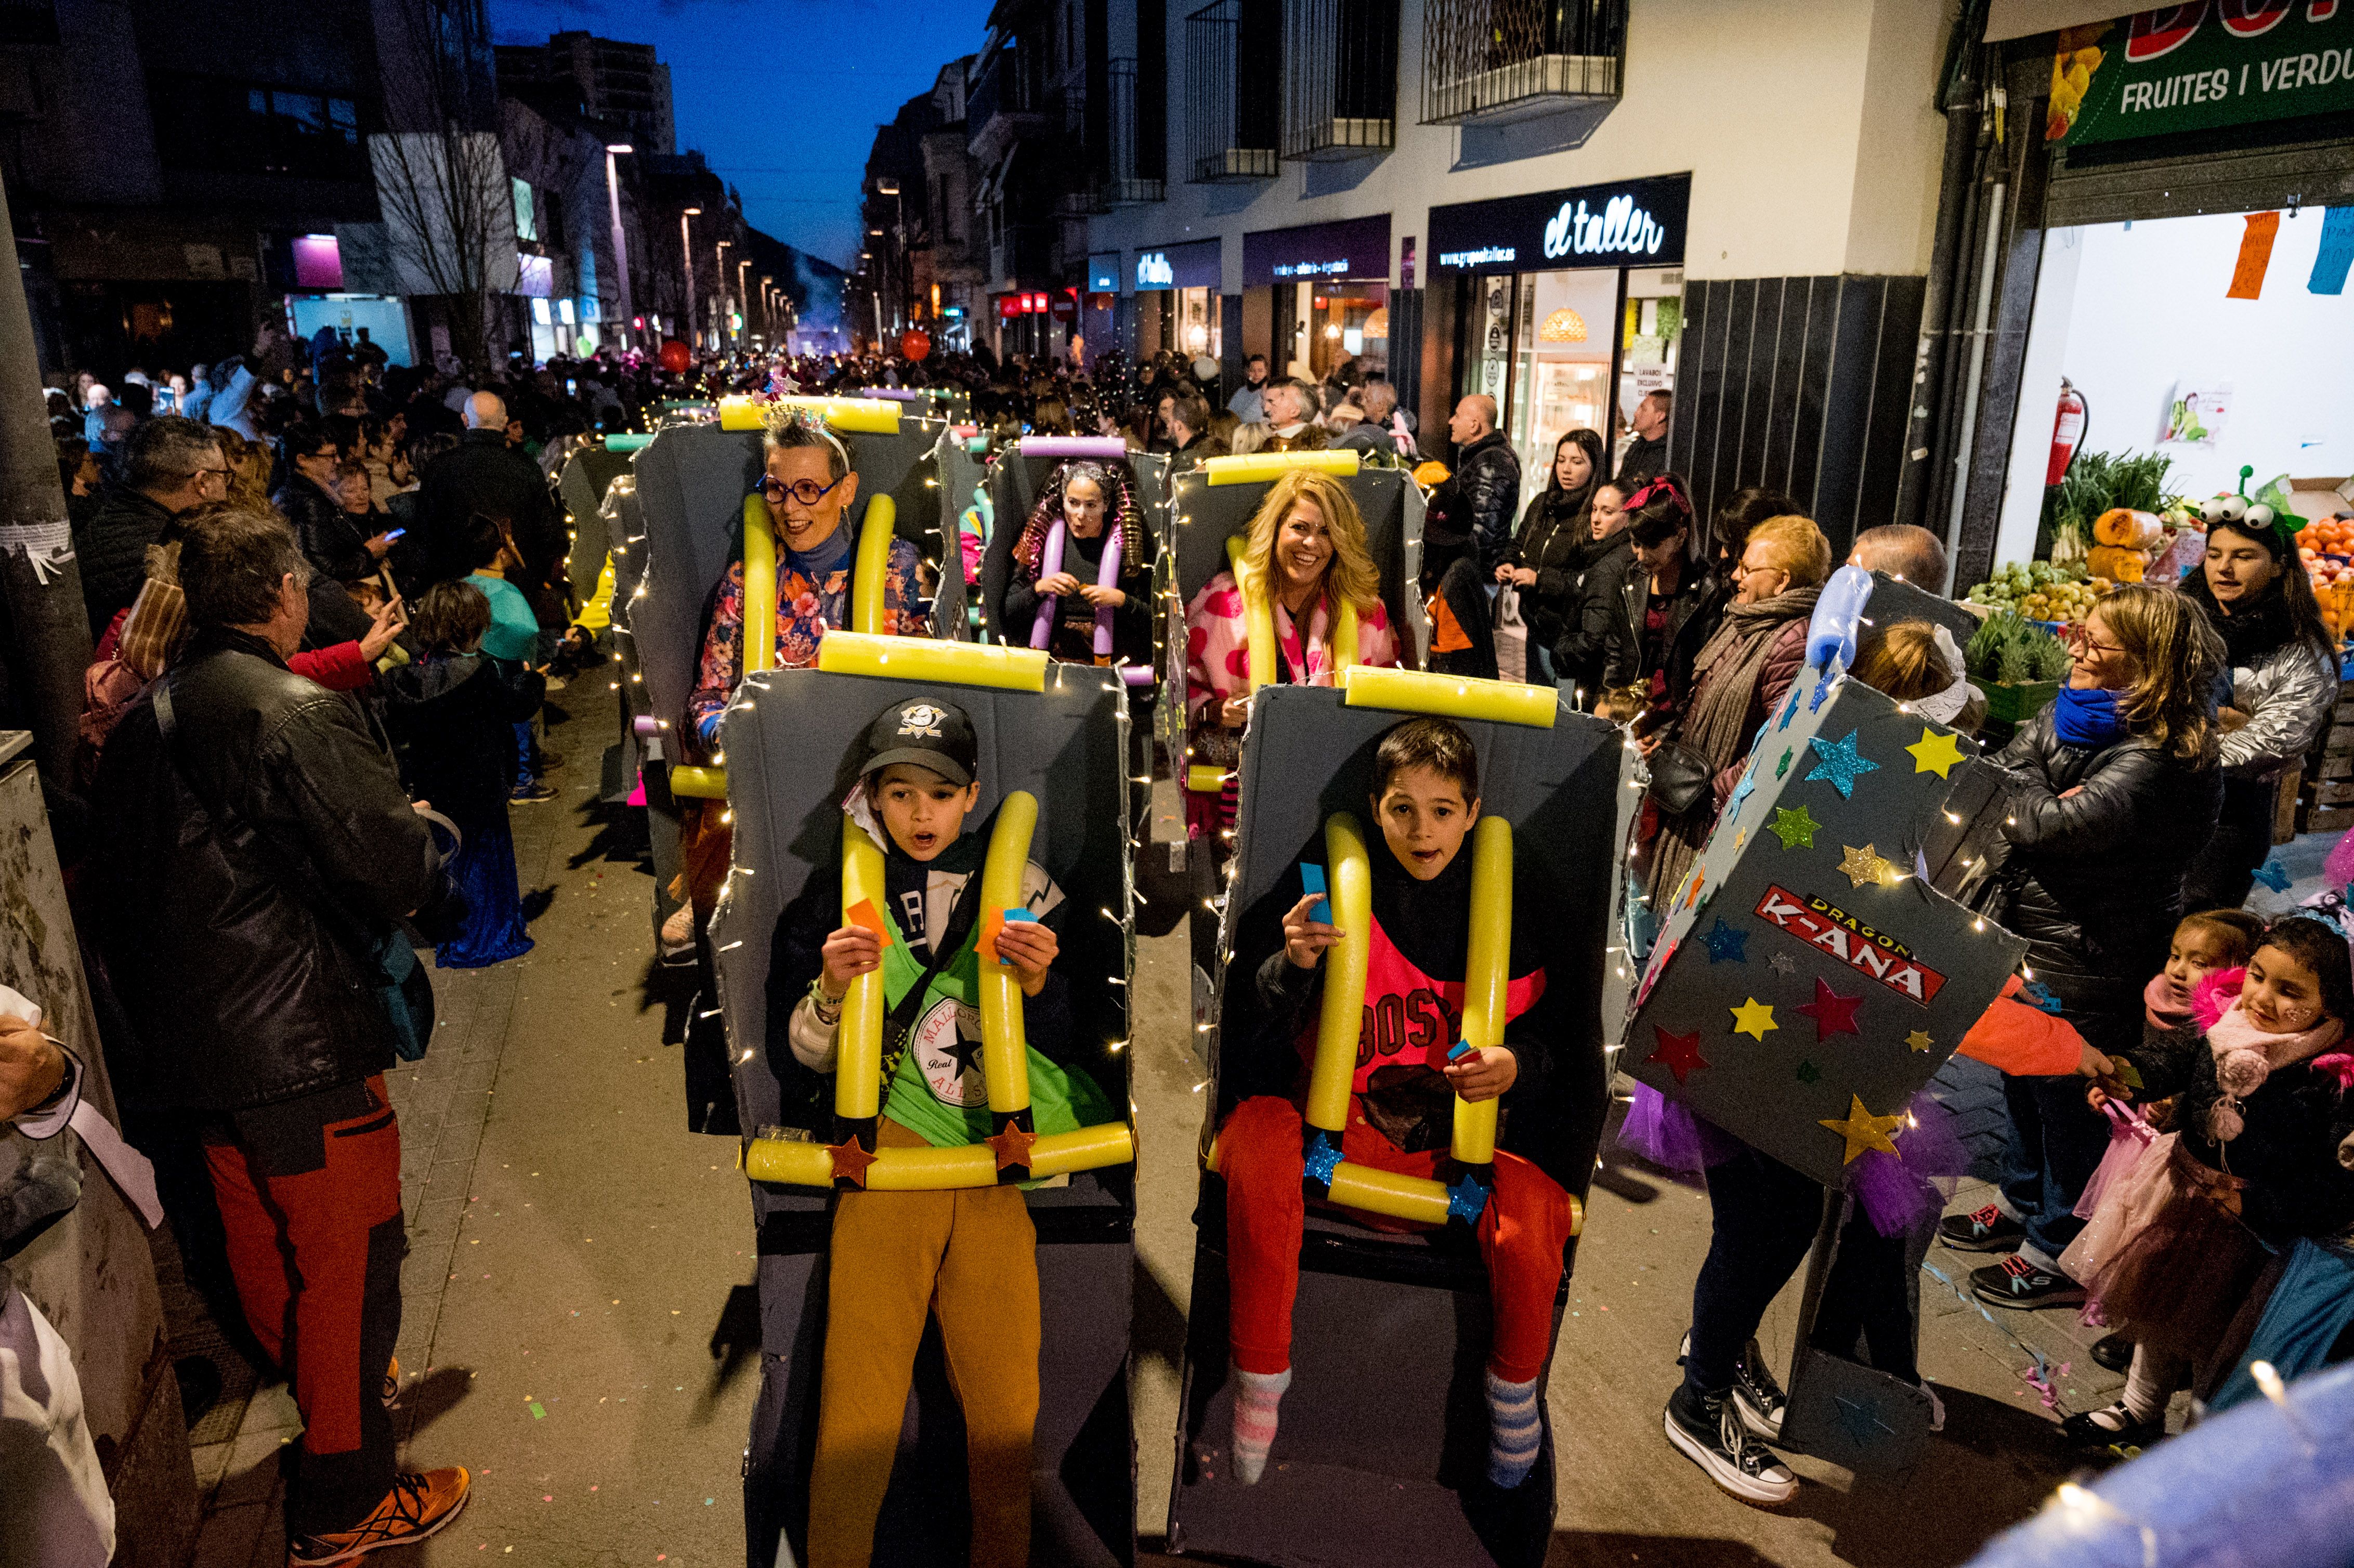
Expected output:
(538, 1411)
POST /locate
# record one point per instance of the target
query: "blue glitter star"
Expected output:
(1840, 764)
(1861, 1421)
(2274, 875)
(1742, 791)
(1822, 690)
(1791, 710)
(1725, 942)
(1465, 1201)
(1323, 1155)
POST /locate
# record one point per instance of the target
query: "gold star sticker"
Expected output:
(1864, 1130)
(1753, 1018)
(1919, 1040)
(1866, 864)
(1934, 753)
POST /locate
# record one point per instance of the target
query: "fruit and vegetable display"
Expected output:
(2096, 486)
(2012, 650)
(2039, 591)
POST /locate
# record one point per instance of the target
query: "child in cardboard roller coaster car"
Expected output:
(968, 1256)
(1425, 796)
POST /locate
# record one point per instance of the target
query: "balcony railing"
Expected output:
(1504, 60)
(1233, 83)
(1134, 159)
(1340, 98)
(1006, 100)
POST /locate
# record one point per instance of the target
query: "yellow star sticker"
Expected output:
(1864, 1130)
(1934, 753)
(1919, 1040)
(1754, 1018)
(1865, 864)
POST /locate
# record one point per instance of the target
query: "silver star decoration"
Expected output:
(1785, 965)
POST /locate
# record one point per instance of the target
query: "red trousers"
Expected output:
(310, 1199)
(1522, 1234)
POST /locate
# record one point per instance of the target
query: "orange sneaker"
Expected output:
(417, 1506)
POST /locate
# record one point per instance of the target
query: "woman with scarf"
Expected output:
(2111, 789)
(1556, 543)
(2283, 667)
(1307, 553)
(1084, 497)
(1739, 676)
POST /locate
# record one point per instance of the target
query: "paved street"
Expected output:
(577, 1325)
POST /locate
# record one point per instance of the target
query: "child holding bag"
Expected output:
(2253, 1162)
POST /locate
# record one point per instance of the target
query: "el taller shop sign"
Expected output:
(2200, 67)
(1626, 223)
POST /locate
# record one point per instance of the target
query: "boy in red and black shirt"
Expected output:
(1426, 798)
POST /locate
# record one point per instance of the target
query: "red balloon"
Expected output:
(915, 344)
(676, 356)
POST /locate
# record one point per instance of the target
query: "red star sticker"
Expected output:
(1678, 1053)
(1832, 1014)
(851, 1158)
(1012, 1147)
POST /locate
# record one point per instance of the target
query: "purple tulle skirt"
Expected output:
(1896, 1194)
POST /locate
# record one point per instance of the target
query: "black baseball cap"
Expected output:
(924, 733)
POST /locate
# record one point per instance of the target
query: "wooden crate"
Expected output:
(2329, 820)
(2287, 807)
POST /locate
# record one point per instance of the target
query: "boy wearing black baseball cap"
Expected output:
(967, 1256)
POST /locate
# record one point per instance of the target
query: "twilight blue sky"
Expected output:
(782, 96)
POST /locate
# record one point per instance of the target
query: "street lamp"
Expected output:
(720, 308)
(743, 294)
(687, 259)
(898, 232)
(620, 254)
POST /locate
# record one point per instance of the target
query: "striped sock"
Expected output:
(1256, 1394)
(1514, 1431)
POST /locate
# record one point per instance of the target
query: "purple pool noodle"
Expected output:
(1137, 674)
(1107, 575)
(1111, 449)
(1050, 561)
(894, 394)
(646, 725)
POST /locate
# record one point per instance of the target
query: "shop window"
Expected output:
(1340, 98)
(219, 124)
(1234, 89)
(1499, 59)
(526, 224)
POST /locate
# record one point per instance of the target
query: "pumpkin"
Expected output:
(2128, 529)
(2117, 563)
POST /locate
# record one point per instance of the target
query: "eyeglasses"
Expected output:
(804, 491)
(220, 473)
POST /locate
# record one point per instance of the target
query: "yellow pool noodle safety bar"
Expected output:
(1451, 696)
(859, 416)
(920, 659)
(699, 783)
(1005, 1055)
(866, 599)
(858, 1063)
(1349, 891)
(759, 586)
(1487, 971)
(1205, 777)
(1257, 468)
(1005, 1066)
(1259, 615)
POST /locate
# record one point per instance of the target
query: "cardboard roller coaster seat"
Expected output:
(793, 742)
(1381, 1456)
(1018, 475)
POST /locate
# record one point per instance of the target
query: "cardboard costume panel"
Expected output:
(1381, 1449)
(1389, 500)
(962, 473)
(1015, 480)
(1807, 981)
(794, 740)
(580, 485)
(691, 484)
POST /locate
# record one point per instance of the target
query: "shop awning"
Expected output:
(2025, 18)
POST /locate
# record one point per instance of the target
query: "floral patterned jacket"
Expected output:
(811, 597)
(1217, 646)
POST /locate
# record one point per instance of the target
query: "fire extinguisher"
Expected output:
(2067, 433)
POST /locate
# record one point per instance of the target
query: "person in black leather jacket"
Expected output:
(2111, 790)
(260, 854)
(1556, 541)
(1472, 511)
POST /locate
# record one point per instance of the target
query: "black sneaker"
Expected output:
(2114, 1351)
(1709, 1432)
(1755, 1395)
(532, 793)
(2113, 1427)
(2015, 1282)
(1983, 1230)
